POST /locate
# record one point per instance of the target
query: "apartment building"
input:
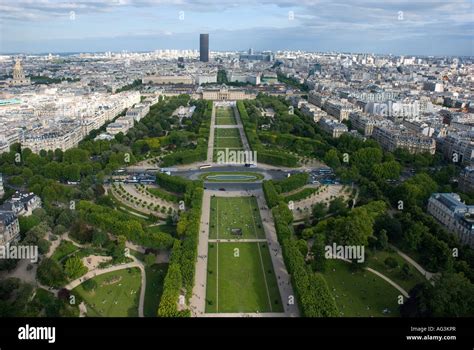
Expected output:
(456, 216)
(391, 138)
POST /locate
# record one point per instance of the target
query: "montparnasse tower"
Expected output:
(19, 77)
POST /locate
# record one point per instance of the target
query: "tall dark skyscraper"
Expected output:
(204, 47)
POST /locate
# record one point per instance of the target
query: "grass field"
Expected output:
(225, 116)
(361, 293)
(228, 142)
(220, 132)
(116, 295)
(155, 276)
(235, 213)
(240, 278)
(208, 177)
(226, 138)
(377, 262)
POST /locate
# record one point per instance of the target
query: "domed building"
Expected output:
(19, 78)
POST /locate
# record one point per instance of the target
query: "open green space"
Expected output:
(155, 276)
(228, 142)
(235, 213)
(240, 278)
(116, 294)
(226, 132)
(64, 249)
(227, 176)
(360, 293)
(225, 116)
(407, 280)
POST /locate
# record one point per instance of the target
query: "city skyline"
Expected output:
(396, 27)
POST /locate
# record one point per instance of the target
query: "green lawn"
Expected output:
(209, 177)
(361, 293)
(116, 295)
(243, 283)
(376, 261)
(155, 276)
(64, 249)
(225, 116)
(228, 142)
(170, 229)
(221, 132)
(235, 213)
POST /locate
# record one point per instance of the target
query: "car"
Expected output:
(221, 189)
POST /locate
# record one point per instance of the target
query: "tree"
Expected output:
(414, 235)
(319, 210)
(387, 170)
(332, 159)
(99, 238)
(382, 240)
(390, 225)
(50, 273)
(338, 206)
(302, 246)
(391, 262)
(452, 295)
(318, 252)
(150, 259)
(74, 268)
(89, 285)
(366, 158)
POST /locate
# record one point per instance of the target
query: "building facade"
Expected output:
(204, 47)
(456, 216)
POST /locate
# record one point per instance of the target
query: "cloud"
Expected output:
(331, 21)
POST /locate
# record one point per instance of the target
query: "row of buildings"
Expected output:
(20, 204)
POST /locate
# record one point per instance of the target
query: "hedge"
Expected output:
(157, 192)
(264, 155)
(291, 183)
(312, 292)
(184, 254)
(119, 223)
(200, 152)
(172, 287)
(172, 183)
(271, 195)
(304, 193)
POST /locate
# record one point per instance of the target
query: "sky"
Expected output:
(399, 27)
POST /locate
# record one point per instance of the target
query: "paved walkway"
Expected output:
(210, 145)
(427, 274)
(281, 273)
(97, 272)
(138, 208)
(247, 314)
(243, 240)
(243, 137)
(198, 299)
(375, 272)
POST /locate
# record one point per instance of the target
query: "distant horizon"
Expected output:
(70, 53)
(399, 27)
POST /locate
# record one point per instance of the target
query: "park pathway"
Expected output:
(198, 299)
(97, 272)
(210, 145)
(281, 273)
(427, 274)
(240, 126)
(388, 280)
